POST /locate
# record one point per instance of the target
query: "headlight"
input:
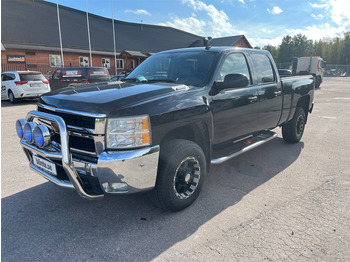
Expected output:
(42, 136)
(28, 131)
(20, 126)
(128, 132)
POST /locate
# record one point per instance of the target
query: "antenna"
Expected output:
(206, 42)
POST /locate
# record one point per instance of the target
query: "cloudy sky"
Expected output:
(261, 21)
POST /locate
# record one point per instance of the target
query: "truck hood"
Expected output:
(104, 98)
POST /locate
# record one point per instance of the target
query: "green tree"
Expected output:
(272, 49)
(286, 50)
(302, 45)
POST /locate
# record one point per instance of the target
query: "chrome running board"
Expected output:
(247, 144)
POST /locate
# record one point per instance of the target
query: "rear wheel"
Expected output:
(181, 173)
(318, 82)
(12, 97)
(293, 130)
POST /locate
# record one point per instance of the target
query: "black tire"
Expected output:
(12, 98)
(318, 82)
(293, 130)
(181, 174)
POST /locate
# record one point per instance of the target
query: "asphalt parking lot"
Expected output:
(278, 202)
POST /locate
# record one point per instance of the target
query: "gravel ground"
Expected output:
(278, 202)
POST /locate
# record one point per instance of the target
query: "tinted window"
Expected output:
(263, 69)
(57, 74)
(234, 64)
(7, 77)
(32, 77)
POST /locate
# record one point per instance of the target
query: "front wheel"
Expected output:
(293, 130)
(181, 173)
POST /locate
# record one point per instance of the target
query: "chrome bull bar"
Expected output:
(65, 156)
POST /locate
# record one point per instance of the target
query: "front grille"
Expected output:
(82, 143)
(76, 142)
(72, 119)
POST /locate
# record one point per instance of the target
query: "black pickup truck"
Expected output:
(160, 130)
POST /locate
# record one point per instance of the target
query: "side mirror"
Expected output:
(231, 81)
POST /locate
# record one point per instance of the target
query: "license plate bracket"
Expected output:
(45, 165)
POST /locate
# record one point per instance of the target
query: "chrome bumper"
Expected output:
(117, 172)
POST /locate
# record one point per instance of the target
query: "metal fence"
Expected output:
(330, 70)
(337, 70)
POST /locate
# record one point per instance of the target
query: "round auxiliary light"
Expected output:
(28, 132)
(19, 127)
(41, 136)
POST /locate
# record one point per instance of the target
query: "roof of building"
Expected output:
(32, 24)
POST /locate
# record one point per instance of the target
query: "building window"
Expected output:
(120, 63)
(83, 61)
(106, 62)
(132, 63)
(55, 60)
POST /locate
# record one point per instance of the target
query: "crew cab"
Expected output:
(162, 134)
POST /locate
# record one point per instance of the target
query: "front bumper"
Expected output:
(115, 172)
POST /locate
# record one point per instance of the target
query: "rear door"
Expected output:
(269, 91)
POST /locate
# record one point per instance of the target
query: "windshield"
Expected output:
(189, 68)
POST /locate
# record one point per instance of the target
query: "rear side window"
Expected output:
(32, 77)
(7, 77)
(263, 69)
(99, 73)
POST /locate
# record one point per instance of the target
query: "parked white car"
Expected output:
(17, 85)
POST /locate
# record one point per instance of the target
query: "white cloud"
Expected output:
(190, 24)
(260, 41)
(340, 13)
(318, 5)
(275, 10)
(217, 25)
(318, 17)
(137, 12)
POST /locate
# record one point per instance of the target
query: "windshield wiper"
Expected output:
(136, 80)
(163, 80)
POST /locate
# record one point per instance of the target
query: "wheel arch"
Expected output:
(196, 132)
(304, 103)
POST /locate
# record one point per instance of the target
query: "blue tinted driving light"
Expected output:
(19, 127)
(28, 131)
(41, 136)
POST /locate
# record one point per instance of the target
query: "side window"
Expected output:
(263, 69)
(11, 77)
(7, 77)
(234, 64)
(57, 74)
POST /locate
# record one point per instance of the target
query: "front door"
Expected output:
(235, 110)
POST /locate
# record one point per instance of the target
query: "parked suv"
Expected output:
(77, 76)
(17, 85)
